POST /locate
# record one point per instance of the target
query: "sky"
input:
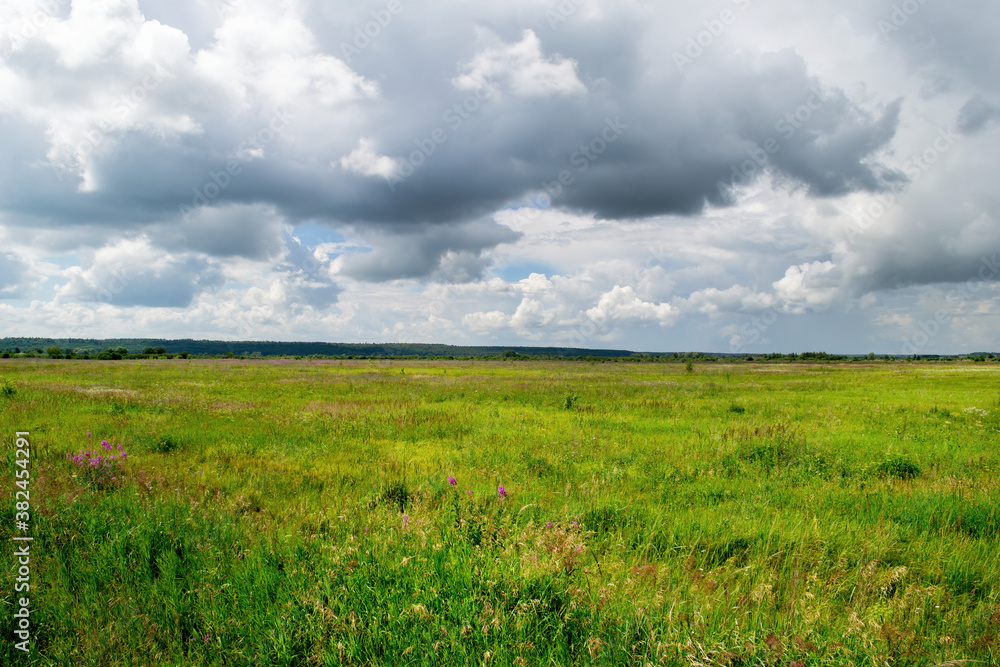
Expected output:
(731, 176)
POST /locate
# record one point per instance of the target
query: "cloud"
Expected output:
(976, 114)
(736, 299)
(365, 161)
(454, 252)
(521, 68)
(13, 272)
(230, 230)
(813, 285)
(492, 321)
(561, 170)
(622, 305)
(133, 273)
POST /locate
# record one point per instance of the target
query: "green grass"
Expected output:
(299, 513)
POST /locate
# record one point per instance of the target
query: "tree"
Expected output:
(54, 352)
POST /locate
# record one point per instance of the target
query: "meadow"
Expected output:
(283, 512)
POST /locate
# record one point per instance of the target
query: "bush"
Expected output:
(6, 388)
(899, 467)
(165, 444)
(396, 494)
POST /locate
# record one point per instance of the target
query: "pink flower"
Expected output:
(501, 492)
(452, 481)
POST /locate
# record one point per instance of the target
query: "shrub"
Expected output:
(899, 467)
(6, 388)
(166, 444)
(396, 494)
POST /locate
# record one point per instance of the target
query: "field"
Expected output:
(538, 513)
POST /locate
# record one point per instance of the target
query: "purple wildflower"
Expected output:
(501, 492)
(88, 434)
(452, 480)
(548, 524)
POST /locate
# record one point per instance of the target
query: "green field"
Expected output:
(301, 513)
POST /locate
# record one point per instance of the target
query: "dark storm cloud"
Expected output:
(976, 114)
(235, 230)
(455, 250)
(628, 137)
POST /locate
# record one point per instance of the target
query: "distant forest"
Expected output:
(138, 346)
(119, 348)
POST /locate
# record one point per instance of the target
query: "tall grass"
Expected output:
(302, 513)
